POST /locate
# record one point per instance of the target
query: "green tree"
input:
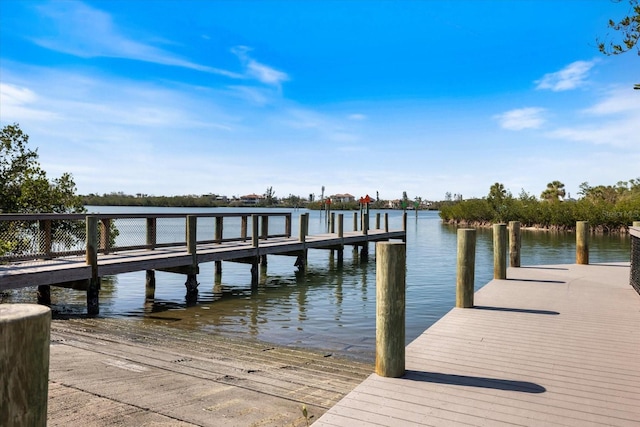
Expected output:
(25, 188)
(497, 194)
(269, 197)
(628, 28)
(553, 192)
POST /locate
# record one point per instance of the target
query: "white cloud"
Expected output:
(521, 118)
(261, 72)
(83, 31)
(18, 103)
(570, 77)
(616, 102)
(357, 116)
(615, 120)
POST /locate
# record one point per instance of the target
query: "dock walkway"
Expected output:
(551, 345)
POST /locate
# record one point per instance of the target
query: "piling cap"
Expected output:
(13, 312)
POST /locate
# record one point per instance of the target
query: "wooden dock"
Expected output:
(551, 345)
(99, 256)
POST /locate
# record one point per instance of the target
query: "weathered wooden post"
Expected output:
(377, 220)
(332, 223)
(514, 243)
(44, 226)
(582, 242)
(465, 274)
(44, 239)
(91, 257)
(24, 364)
(151, 233)
(265, 226)
(105, 229)
(192, 245)
(150, 285)
(341, 236)
(306, 223)
(218, 237)
(265, 236)
(355, 221)
(301, 261)
(500, 251)
(150, 279)
(386, 222)
(243, 228)
(390, 309)
(404, 225)
(255, 240)
(287, 225)
(365, 223)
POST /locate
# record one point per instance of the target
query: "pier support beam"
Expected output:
(150, 285)
(192, 282)
(465, 274)
(44, 295)
(390, 309)
(93, 290)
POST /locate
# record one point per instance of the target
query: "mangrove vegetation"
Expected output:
(607, 208)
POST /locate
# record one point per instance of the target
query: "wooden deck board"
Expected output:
(552, 345)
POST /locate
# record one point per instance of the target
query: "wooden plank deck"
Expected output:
(552, 345)
(59, 270)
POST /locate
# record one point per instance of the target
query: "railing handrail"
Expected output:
(103, 246)
(76, 216)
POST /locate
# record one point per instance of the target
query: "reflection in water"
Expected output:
(331, 306)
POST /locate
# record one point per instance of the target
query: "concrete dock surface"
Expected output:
(117, 372)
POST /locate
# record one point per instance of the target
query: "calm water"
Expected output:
(327, 308)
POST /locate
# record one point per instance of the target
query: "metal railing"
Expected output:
(25, 237)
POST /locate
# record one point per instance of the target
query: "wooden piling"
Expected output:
(377, 220)
(332, 223)
(390, 309)
(24, 364)
(91, 258)
(404, 224)
(151, 233)
(386, 222)
(255, 237)
(500, 251)
(265, 226)
(105, 241)
(45, 237)
(302, 235)
(465, 274)
(192, 245)
(150, 285)
(355, 221)
(582, 242)
(514, 243)
(341, 235)
(243, 228)
(287, 225)
(365, 223)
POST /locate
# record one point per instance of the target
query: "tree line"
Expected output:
(608, 208)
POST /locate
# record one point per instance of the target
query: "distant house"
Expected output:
(251, 199)
(342, 198)
(394, 204)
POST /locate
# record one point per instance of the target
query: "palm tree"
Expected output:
(553, 192)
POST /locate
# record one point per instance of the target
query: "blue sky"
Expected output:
(232, 97)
